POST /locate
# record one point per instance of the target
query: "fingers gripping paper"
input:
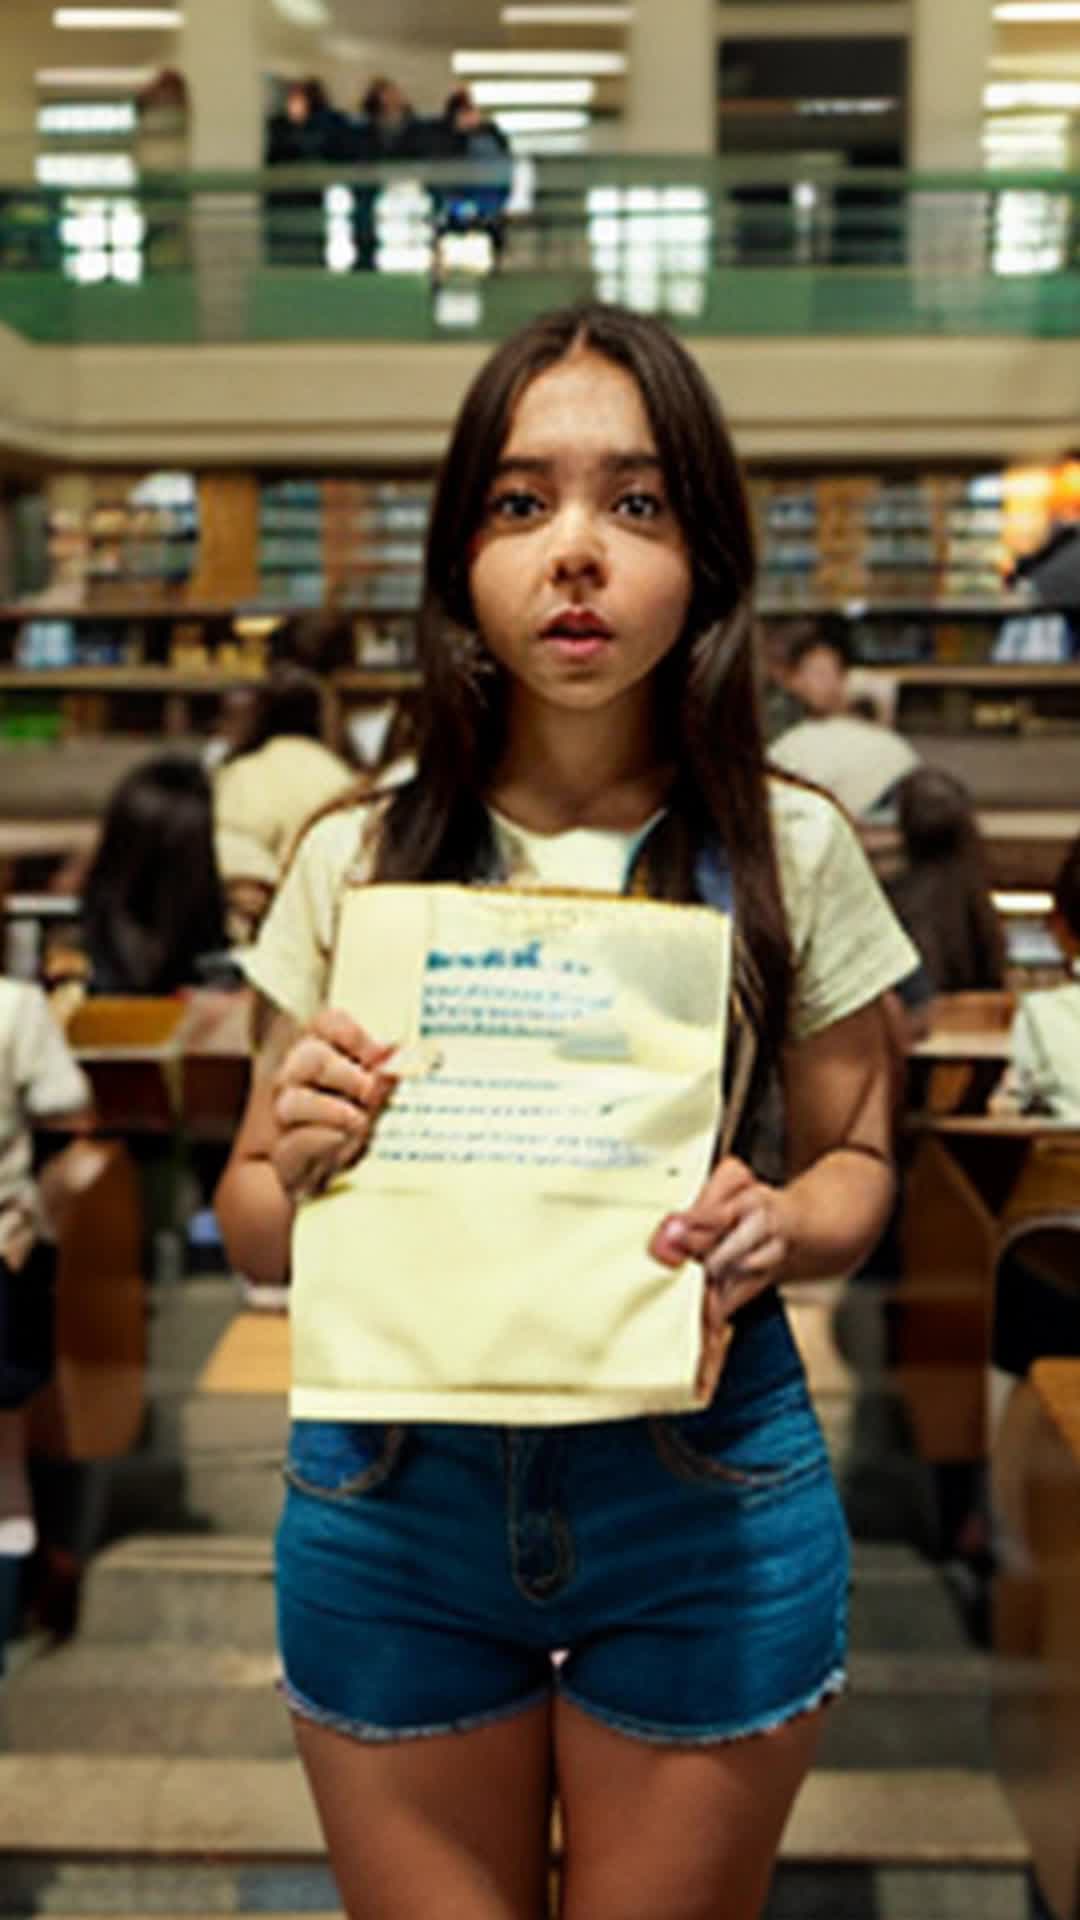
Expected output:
(561, 1070)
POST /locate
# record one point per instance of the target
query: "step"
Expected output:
(218, 1587)
(110, 1834)
(173, 1698)
(162, 1699)
(211, 1589)
(900, 1604)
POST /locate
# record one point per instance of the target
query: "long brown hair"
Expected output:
(943, 895)
(438, 827)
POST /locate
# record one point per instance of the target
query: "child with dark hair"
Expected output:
(282, 774)
(152, 900)
(942, 895)
(818, 733)
(517, 1586)
(1044, 1075)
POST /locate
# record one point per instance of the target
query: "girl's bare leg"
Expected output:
(451, 1825)
(689, 1833)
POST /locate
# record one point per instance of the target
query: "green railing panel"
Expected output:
(716, 249)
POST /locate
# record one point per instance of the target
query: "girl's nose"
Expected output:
(577, 547)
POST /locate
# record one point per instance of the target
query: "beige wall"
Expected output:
(341, 403)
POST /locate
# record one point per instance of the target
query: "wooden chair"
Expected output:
(129, 1047)
(965, 1086)
(948, 1240)
(92, 1409)
(1035, 1673)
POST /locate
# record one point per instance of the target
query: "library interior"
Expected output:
(255, 261)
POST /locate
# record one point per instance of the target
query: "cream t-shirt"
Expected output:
(263, 799)
(847, 946)
(1046, 1050)
(39, 1078)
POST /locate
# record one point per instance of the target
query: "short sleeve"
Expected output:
(847, 944)
(290, 960)
(49, 1078)
(1031, 1078)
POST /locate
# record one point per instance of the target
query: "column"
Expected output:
(21, 55)
(951, 237)
(671, 82)
(220, 55)
(950, 66)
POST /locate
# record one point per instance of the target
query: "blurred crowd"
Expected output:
(385, 129)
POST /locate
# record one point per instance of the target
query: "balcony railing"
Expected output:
(439, 252)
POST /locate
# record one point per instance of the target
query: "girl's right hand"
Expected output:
(326, 1097)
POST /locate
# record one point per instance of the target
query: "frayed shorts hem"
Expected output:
(655, 1733)
(652, 1732)
(305, 1709)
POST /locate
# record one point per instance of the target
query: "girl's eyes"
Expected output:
(640, 505)
(519, 503)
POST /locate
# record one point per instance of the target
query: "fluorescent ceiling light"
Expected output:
(156, 19)
(844, 107)
(540, 121)
(94, 79)
(1032, 93)
(566, 16)
(304, 13)
(85, 169)
(1028, 123)
(1016, 900)
(91, 116)
(580, 63)
(553, 143)
(533, 93)
(1040, 13)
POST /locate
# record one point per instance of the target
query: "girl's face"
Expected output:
(579, 574)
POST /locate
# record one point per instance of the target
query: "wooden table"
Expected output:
(945, 1043)
(162, 1065)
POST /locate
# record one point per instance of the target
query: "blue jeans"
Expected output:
(683, 1579)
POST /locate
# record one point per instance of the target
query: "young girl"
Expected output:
(591, 723)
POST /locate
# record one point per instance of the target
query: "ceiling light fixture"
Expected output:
(533, 93)
(1032, 93)
(467, 63)
(566, 15)
(156, 19)
(93, 79)
(542, 122)
(304, 13)
(1041, 13)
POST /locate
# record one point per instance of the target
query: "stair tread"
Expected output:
(168, 1664)
(198, 1552)
(105, 1806)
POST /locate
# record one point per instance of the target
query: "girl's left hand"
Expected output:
(741, 1231)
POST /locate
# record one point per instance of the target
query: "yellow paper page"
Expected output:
(561, 1092)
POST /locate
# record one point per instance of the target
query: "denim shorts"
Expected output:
(683, 1579)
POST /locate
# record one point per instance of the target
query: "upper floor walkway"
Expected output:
(249, 317)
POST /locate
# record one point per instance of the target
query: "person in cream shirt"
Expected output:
(518, 1591)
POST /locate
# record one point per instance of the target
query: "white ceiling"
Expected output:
(452, 23)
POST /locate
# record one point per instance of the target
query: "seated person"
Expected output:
(858, 760)
(268, 789)
(39, 1080)
(153, 908)
(942, 895)
(1044, 1072)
